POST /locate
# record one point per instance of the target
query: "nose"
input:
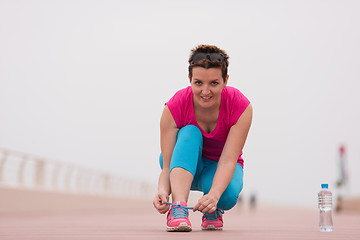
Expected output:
(205, 90)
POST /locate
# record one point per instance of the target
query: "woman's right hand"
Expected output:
(160, 202)
(168, 133)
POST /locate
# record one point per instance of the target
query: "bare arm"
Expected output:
(168, 133)
(227, 162)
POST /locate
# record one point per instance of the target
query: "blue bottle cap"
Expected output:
(324, 185)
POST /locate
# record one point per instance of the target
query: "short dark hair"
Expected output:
(207, 63)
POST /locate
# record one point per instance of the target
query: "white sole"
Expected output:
(211, 228)
(183, 227)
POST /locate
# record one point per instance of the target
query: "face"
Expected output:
(207, 85)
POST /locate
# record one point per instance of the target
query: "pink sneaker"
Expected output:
(177, 218)
(212, 221)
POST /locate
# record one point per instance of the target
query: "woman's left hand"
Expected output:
(207, 203)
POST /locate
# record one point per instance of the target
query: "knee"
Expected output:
(227, 202)
(229, 198)
(190, 133)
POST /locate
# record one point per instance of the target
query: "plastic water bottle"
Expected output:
(325, 206)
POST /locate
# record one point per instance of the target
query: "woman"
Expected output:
(203, 131)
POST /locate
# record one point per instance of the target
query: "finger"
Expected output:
(197, 206)
(163, 199)
(204, 202)
(164, 208)
(163, 203)
(207, 206)
(200, 202)
(201, 207)
(160, 208)
(157, 202)
(212, 210)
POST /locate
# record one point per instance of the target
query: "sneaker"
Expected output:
(177, 218)
(212, 221)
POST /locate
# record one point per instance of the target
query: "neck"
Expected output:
(214, 109)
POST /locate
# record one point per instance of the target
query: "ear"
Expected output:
(189, 77)
(226, 79)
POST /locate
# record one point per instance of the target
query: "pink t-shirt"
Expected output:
(233, 104)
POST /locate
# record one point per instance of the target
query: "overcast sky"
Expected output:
(85, 82)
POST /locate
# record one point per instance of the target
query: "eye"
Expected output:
(198, 82)
(214, 83)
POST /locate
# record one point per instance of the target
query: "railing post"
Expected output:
(55, 176)
(39, 173)
(82, 181)
(68, 179)
(86, 182)
(144, 189)
(21, 171)
(2, 165)
(106, 184)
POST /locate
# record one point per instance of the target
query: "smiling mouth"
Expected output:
(206, 98)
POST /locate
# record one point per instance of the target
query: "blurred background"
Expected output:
(83, 84)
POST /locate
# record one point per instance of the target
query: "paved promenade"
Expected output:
(144, 223)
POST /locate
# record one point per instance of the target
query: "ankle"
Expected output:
(178, 201)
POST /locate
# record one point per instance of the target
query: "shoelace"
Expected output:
(179, 211)
(215, 215)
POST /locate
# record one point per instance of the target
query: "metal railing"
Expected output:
(21, 170)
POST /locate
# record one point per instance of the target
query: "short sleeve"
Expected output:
(238, 103)
(177, 104)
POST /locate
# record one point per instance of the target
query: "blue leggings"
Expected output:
(187, 154)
